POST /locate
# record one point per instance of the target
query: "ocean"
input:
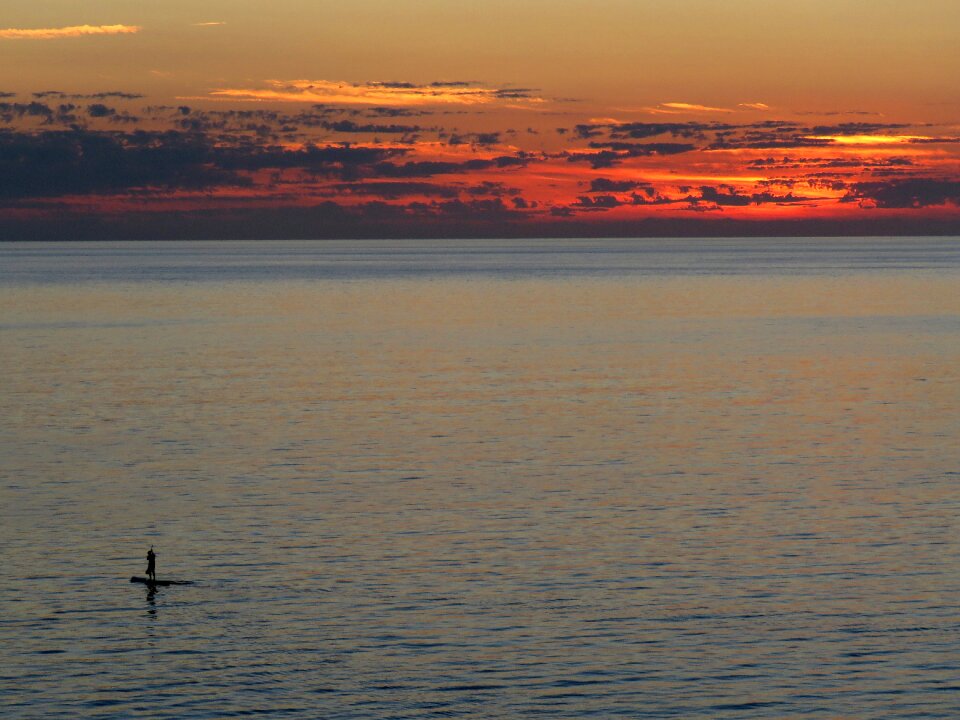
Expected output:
(700, 478)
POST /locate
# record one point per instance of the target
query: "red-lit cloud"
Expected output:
(448, 158)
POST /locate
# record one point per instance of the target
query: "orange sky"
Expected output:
(464, 114)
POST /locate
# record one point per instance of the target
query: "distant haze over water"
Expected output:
(497, 479)
(46, 263)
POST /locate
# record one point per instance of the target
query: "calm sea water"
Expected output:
(657, 479)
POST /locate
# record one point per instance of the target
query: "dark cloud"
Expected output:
(491, 138)
(686, 130)
(99, 110)
(597, 160)
(727, 196)
(598, 202)
(109, 94)
(487, 138)
(645, 149)
(115, 94)
(485, 210)
(826, 183)
(606, 185)
(888, 172)
(79, 162)
(858, 128)
(349, 126)
(63, 113)
(782, 125)
(397, 189)
(393, 112)
(7, 94)
(266, 124)
(199, 123)
(643, 130)
(343, 161)
(427, 168)
(774, 134)
(276, 125)
(767, 197)
(639, 130)
(796, 163)
(323, 109)
(11, 111)
(76, 162)
(491, 188)
(906, 193)
(123, 118)
(620, 151)
(82, 162)
(933, 140)
(608, 202)
(514, 93)
(766, 140)
(650, 197)
(586, 131)
(726, 136)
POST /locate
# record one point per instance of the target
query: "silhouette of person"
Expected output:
(152, 564)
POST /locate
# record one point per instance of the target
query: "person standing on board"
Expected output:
(152, 564)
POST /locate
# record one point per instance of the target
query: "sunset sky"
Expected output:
(439, 118)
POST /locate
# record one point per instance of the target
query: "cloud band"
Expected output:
(66, 32)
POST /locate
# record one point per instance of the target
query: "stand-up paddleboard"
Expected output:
(158, 583)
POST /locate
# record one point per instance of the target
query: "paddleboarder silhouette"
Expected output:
(152, 564)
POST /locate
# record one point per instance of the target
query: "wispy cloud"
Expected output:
(754, 106)
(66, 32)
(679, 108)
(208, 24)
(379, 93)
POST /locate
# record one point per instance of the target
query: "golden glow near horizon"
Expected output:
(872, 139)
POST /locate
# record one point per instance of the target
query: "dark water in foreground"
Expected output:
(685, 479)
